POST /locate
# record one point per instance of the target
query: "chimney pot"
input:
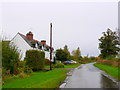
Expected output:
(29, 35)
(43, 42)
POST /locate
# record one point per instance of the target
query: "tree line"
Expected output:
(64, 54)
(109, 46)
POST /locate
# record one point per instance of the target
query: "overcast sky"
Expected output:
(76, 24)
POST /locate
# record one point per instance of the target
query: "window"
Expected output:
(40, 47)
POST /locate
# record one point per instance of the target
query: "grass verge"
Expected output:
(66, 66)
(113, 71)
(71, 66)
(49, 79)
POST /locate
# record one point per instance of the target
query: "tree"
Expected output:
(66, 48)
(109, 44)
(76, 53)
(61, 55)
(119, 41)
(67, 52)
(119, 34)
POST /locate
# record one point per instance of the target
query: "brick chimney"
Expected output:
(43, 42)
(29, 35)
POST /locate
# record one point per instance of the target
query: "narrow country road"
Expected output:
(88, 76)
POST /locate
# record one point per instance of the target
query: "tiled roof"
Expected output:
(29, 41)
(33, 41)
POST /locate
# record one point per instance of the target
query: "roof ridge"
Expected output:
(25, 36)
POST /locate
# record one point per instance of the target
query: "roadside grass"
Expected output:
(66, 66)
(113, 71)
(71, 66)
(49, 79)
(86, 62)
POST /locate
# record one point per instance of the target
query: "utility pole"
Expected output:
(50, 46)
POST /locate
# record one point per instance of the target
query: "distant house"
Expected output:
(26, 42)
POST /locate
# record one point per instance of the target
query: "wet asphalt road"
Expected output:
(88, 76)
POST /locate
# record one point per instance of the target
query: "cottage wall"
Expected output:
(21, 44)
(47, 55)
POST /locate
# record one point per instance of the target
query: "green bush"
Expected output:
(59, 65)
(47, 61)
(28, 70)
(85, 58)
(92, 58)
(35, 59)
(110, 58)
(5, 73)
(10, 57)
(22, 66)
(116, 59)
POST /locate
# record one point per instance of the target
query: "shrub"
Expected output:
(115, 64)
(5, 72)
(28, 70)
(47, 61)
(110, 58)
(22, 75)
(59, 65)
(10, 57)
(22, 66)
(92, 58)
(97, 58)
(118, 64)
(35, 59)
(85, 58)
(106, 62)
(116, 59)
(109, 62)
(53, 65)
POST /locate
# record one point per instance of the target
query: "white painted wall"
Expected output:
(21, 44)
(47, 55)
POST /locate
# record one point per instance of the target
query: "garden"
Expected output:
(41, 79)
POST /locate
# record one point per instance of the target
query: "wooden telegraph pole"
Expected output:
(50, 46)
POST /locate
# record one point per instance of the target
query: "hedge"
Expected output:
(35, 59)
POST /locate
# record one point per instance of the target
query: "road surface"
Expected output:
(88, 76)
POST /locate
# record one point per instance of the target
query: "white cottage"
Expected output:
(26, 42)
